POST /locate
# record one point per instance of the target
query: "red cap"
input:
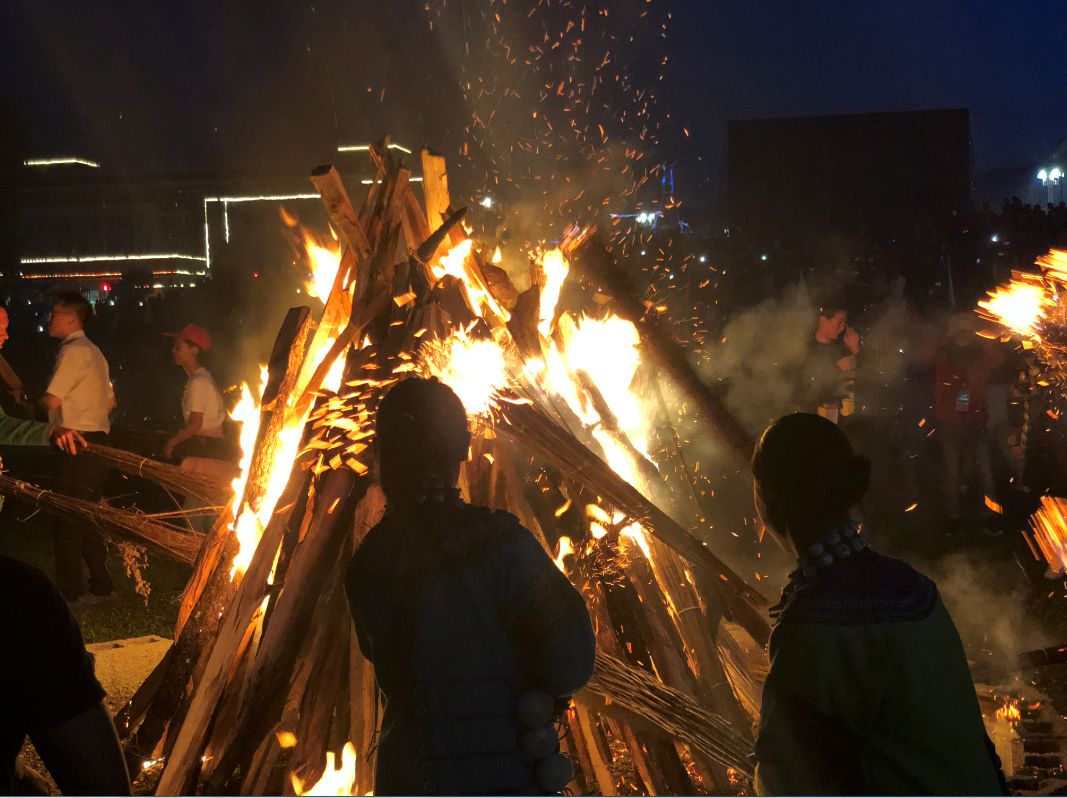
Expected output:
(194, 334)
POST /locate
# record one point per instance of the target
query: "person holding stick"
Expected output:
(869, 691)
(477, 639)
(79, 397)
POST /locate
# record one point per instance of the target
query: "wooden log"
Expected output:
(590, 256)
(179, 774)
(289, 627)
(435, 188)
(327, 181)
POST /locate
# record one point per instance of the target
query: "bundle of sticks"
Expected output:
(178, 542)
(256, 688)
(185, 483)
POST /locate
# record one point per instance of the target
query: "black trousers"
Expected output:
(81, 476)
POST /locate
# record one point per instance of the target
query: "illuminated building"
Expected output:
(80, 224)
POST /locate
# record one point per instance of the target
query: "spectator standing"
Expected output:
(833, 373)
(200, 445)
(869, 691)
(79, 397)
(476, 637)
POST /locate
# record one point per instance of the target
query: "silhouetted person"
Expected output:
(49, 693)
(476, 637)
(869, 691)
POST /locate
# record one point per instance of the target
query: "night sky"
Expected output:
(158, 86)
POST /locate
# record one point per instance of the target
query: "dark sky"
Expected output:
(152, 85)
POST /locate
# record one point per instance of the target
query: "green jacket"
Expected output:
(20, 432)
(869, 691)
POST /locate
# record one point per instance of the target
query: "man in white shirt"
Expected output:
(79, 397)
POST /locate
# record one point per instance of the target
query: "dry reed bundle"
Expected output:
(530, 427)
(170, 476)
(671, 711)
(178, 542)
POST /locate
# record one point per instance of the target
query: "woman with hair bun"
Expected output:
(869, 690)
(477, 639)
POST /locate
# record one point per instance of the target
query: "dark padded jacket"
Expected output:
(460, 610)
(869, 692)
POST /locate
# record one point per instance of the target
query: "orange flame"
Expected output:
(1050, 531)
(336, 779)
(324, 259)
(474, 368)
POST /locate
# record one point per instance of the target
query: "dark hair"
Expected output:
(421, 432)
(808, 474)
(76, 303)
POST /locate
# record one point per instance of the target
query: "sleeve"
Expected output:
(21, 432)
(353, 582)
(70, 368)
(56, 675)
(546, 618)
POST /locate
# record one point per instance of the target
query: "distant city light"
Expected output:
(642, 252)
(65, 161)
(763, 257)
(703, 259)
(994, 238)
(366, 148)
(107, 258)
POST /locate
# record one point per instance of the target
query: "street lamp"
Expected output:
(1050, 178)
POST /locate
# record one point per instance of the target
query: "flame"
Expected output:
(555, 269)
(324, 259)
(333, 378)
(565, 549)
(336, 779)
(457, 262)
(1010, 711)
(474, 368)
(1020, 306)
(498, 256)
(1050, 531)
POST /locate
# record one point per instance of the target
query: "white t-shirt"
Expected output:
(82, 382)
(202, 395)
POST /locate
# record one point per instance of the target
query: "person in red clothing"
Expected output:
(962, 368)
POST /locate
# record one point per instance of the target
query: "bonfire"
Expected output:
(265, 690)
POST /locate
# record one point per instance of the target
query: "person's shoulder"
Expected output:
(18, 576)
(867, 588)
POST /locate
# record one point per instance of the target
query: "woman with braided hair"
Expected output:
(869, 691)
(477, 639)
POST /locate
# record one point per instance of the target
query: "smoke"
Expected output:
(989, 611)
(760, 359)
